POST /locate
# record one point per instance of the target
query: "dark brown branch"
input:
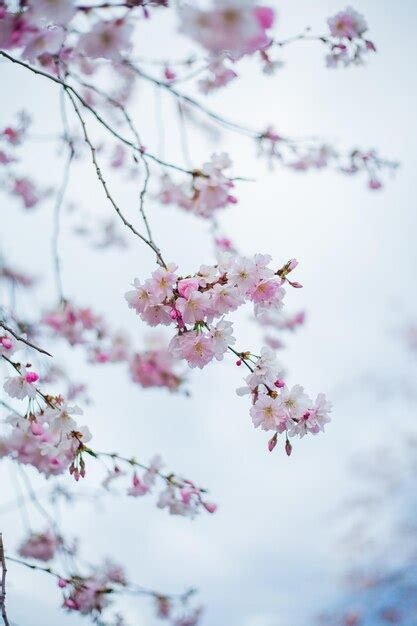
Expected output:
(70, 88)
(104, 184)
(3, 583)
(23, 340)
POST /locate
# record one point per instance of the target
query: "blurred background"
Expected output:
(277, 550)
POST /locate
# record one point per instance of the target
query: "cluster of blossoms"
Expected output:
(154, 366)
(276, 407)
(208, 191)
(229, 26)
(195, 303)
(306, 156)
(14, 182)
(348, 45)
(179, 495)
(90, 595)
(218, 75)
(40, 546)
(47, 438)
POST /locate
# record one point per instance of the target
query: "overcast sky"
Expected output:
(270, 555)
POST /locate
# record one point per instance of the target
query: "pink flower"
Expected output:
(40, 546)
(162, 283)
(46, 41)
(187, 286)
(7, 345)
(195, 347)
(267, 413)
(55, 11)
(230, 26)
(21, 387)
(194, 308)
(222, 336)
(137, 488)
(107, 39)
(348, 23)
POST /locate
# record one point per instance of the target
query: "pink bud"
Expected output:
(169, 74)
(295, 285)
(6, 343)
(31, 377)
(265, 16)
(36, 429)
(272, 442)
(279, 383)
(374, 183)
(69, 603)
(62, 583)
(210, 506)
(239, 362)
(292, 264)
(135, 480)
(232, 199)
(174, 314)
(288, 447)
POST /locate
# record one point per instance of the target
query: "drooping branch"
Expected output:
(3, 583)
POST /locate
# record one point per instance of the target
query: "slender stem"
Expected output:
(23, 340)
(3, 583)
(104, 184)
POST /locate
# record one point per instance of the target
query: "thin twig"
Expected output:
(3, 583)
(70, 88)
(104, 184)
(23, 340)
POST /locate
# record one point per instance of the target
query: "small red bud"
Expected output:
(272, 442)
(239, 362)
(288, 447)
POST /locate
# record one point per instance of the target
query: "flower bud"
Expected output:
(272, 442)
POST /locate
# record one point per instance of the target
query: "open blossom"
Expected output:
(267, 412)
(21, 386)
(230, 26)
(73, 323)
(44, 444)
(186, 501)
(40, 546)
(196, 348)
(53, 11)
(348, 23)
(107, 39)
(209, 190)
(47, 41)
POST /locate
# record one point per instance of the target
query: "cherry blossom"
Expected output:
(208, 191)
(40, 546)
(236, 28)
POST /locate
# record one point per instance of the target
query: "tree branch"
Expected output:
(3, 583)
